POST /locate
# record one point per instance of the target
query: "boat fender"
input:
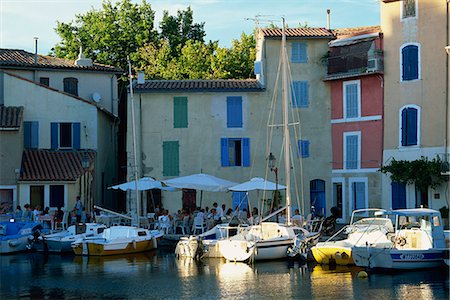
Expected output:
(363, 274)
(134, 244)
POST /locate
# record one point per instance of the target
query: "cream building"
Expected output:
(219, 127)
(415, 93)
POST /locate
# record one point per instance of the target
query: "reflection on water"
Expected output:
(160, 275)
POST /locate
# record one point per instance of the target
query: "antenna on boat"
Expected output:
(133, 130)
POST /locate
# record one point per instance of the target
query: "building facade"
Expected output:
(415, 94)
(355, 77)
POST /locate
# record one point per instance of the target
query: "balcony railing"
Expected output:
(355, 63)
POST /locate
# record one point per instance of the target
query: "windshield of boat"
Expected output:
(361, 214)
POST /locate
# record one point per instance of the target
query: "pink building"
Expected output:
(355, 76)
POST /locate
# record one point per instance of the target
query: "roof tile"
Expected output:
(200, 85)
(53, 165)
(299, 32)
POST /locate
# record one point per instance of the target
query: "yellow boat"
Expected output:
(117, 240)
(339, 252)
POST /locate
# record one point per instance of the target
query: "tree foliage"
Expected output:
(177, 51)
(423, 172)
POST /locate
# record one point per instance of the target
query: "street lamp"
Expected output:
(85, 163)
(274, 168)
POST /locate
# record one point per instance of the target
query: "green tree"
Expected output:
(108, 35)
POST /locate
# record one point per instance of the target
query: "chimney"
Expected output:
(83, 61)
(35, 50)
(328, 19)
(141, 77)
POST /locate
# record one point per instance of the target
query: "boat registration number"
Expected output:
(412, 256)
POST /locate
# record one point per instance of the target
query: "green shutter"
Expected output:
(180, 112)
(171, 158)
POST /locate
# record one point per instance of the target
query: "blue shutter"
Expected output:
(246, 152)
(304, 94)
(411, 126)
(303, 146)
(34, 134)
(359, 195)
(295, 93)
(224, 152)
(241, 199)
(351, 152)
(299, 52)
(404, 130)
(27, 135)
(410, 62)
(303, 52)
(54, 135)
(351, 101)
(76, 135)
(398, 195)
(234, 112)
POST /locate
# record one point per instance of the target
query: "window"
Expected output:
(56, 195)
(317, 196)
(171, 158)
(234, 112)
(180, 112)
(31, 135)
(44, 81)
(398, 194)
(409, 126)
(235, 152)
(408, 8)
(410, 62)
(351, 150)
(71, 85)
(303, 148)
(352, 99)
(300, 95)
(65, 135)
(299, 52)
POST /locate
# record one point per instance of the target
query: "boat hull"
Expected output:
(14, 245)
(242, 250)
(104, 249)
(332, 253)
(388, 258)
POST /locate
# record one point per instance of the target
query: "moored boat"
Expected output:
(15, 236)
(417, 242)
(117, 240)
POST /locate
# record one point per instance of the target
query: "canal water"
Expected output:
(159, 275)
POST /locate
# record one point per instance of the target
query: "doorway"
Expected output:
(37, 196)
(317, 196)
(189, 200)
(153, 200)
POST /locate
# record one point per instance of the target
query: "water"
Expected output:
(159, 275)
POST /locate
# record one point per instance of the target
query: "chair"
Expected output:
(179, 224)
(63, 224)
(198, 225)
(164, 224)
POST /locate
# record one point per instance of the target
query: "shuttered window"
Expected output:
(352, 99)
(351, 151)
(408, 9)
(410, 62)
(180, 112)
(359, 195)
(235, 152)
(171, 158)
(299, 52)
(65, 135)
(300, 95)
(234, 112)
(409, 126)
(303, 148)
(31, 135)
(71, 85)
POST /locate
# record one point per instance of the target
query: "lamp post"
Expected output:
(274, 168)
(85, 163)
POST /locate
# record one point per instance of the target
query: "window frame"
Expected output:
(416, 11)
(358, 155)
(419, 69)
(44, 81)
(225, 153)
(400, 126)
(344, 98)
(70, 80)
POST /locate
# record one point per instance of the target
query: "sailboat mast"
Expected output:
(133, 130)
(285, 106)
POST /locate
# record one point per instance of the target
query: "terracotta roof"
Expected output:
(200, 85)
(53, 165)
(299, 32)
(10, 117)
(15, 58)
(348, 32)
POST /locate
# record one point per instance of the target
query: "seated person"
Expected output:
(297, 219)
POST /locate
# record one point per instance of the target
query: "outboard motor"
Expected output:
(329, 224)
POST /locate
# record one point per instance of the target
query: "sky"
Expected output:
(225, 20)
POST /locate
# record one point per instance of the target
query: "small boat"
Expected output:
(118, 240)
(15, 236)
(205, 245)
(62, 241)
(416, 243)
(365, 225)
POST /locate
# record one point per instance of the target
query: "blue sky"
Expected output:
(21, 20)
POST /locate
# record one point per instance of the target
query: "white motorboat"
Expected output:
(62, 241)
(416, 242)
(15, 236)
(118, 240)
(365, 225)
